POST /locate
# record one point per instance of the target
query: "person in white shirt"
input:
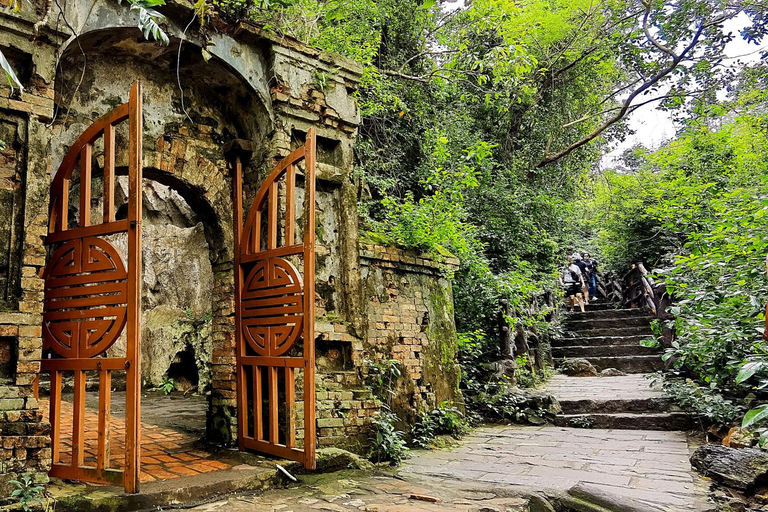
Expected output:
(573, 281)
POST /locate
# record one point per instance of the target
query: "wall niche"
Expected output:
(13, 135)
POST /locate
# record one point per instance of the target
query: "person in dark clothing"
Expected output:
(591, 276)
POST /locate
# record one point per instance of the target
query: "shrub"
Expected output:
(445, 420)
(388, 443)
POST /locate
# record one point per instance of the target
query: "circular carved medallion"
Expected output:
(85, 306)
(272, 311)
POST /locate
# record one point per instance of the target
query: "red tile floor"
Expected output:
(165, 453)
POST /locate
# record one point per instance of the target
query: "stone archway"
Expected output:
(184, 164)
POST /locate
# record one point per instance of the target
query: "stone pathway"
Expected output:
(644, 466)
(348, 491)
(495, 466)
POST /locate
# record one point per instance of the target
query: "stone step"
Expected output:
(589, 351)
(599, 306)
(630, 330)
(629, 364)
(606, 313)
(600, 323)
(598, 340)
(610, 406)
(627, 421)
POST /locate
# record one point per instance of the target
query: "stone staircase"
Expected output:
(609, 338)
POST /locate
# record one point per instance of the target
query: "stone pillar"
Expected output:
(24, 437)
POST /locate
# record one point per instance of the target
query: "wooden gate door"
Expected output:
(274, 307)
(90, 297)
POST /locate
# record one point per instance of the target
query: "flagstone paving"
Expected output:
(495, 466)
(646, 466)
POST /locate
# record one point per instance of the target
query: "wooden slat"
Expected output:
(272, 217)
(278, 362)
(278, 252)
(97, 230)
(80, 291)
(105, 409)
(241, 385)
(63, 218)
(109, 173)
(256, 234)
(99, 363)
(85, 185)
(133, 354)
(290, 207)
(272, 403)
(258, 410)
(78, 420)
(87, 474)
(309, 303)
(54, 415)
(290, 407)
(274, 449)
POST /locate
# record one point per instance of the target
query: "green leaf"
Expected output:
(748, 370)
(13, 80)
(755, 416)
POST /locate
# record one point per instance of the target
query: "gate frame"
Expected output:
(243, 248)
(81, 152)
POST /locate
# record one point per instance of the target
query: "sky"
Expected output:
(653, 127)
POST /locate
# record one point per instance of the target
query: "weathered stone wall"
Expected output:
(24, 180)
(406, 311)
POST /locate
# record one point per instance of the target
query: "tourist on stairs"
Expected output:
(583, 268)
(591, 276)
(573, 281)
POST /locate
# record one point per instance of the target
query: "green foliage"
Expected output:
(529, 377)
(445, 420)
(381, 377)
(702, 202)
(387, 444)
(702, 402)
(10, 75)
(149, 19)
(581, 422)
(167, 385)
(27, 493)
(755, 420)
(489, 398)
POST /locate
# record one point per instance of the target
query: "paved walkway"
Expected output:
(496, 465)
(646, 466)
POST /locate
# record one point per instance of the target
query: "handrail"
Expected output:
(640, 289)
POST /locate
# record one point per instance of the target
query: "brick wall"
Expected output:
(407, 310)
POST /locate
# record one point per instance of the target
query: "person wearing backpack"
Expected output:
(573, 281)
(576, 258)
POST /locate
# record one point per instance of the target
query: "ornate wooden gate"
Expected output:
(90, 297)
(275, 311)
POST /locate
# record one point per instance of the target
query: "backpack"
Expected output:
(574, 276)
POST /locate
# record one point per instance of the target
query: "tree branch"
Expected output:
(548, 159)
(647, 32)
